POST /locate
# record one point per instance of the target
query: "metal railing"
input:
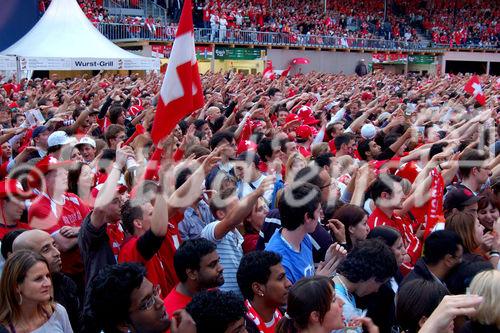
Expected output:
(121, 32)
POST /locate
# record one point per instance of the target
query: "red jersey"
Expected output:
(175, 301)
(168, 248)
(412, 243)
(154, 267)
(47, 215)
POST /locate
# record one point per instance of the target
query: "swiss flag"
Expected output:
(181, 91)
(284, 74)
(473, 87)
(268, 72)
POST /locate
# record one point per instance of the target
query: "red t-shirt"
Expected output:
(412, 243)
(45, 214)
(168, 248)
(4, 229)
(154, 267)
(175, 301)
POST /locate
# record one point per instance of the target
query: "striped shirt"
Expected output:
(230, 252)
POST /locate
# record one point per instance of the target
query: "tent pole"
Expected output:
(18, 70)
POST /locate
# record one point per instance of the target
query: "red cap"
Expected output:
(291, 117)
(246, 145)
(44, 166)
(303, 131)
(13, 105)
(11, 187)
(366, 95)
(306, 115)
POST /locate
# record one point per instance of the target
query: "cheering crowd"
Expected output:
(463, 24)
(312, 203)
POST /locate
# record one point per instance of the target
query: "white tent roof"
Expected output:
(64, 38)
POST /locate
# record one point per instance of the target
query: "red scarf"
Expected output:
(435, 204)
(261, 325)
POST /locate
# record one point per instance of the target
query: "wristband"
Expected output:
(494, 252)
(440, 167)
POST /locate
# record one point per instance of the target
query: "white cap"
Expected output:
(384, 116)
(87, 141)
(368, 131)
(59, 138)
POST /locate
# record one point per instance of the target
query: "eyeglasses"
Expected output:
(151, 301)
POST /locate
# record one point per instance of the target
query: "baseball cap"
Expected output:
(291, 117)
(86, 141)
(459, 198)
(384, 116)
(11, 187)
(368, 131)
(59, 138)
(44, 166)
(39, 130)
(303, 131)
(246, 145)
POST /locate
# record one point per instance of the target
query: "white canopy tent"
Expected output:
(7, 63)
(64, 39)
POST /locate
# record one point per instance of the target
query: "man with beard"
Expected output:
(122, 299)
(65, 290)
(197, 265)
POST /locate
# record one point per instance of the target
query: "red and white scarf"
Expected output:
(261, 325)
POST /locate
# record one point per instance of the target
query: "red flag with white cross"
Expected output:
(181, 92)
(474, 88)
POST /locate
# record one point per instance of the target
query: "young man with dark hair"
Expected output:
(443, 250)
(370, 150)
(114, 134)
(122, 299)
(344, 144)
(387, 194)
(246, 169)
(143, 245)
(300, 210)
(216, 311)
(473, 169)
(224, 166)
(230, 212)
(367, 267)
(264, 285)
(197, 265)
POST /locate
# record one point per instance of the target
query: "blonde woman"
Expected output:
(26, 297)
(487, 317)
(295, 163)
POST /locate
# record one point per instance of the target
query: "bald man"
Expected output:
(65, 290)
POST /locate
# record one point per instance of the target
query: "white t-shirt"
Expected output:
(57, 323)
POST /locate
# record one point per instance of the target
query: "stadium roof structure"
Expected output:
(65, 39)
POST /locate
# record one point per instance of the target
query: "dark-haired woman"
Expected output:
(354, 220)
(314, 307)
(26, 297)
(415, 303)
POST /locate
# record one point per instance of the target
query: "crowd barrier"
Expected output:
(121, 32)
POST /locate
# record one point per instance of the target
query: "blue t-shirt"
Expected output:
(297, 264)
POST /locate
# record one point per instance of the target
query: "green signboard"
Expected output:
(226, 53)
(421, 59)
